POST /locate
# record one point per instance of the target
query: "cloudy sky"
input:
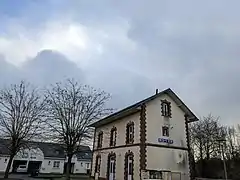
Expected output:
(128, 48)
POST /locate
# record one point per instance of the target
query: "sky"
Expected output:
(128, 48)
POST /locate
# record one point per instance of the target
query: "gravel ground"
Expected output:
(42, 177)
(20, 176)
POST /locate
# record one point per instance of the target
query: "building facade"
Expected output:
(148, 140)
(47, 157)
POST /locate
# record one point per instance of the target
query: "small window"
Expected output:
(166, 108)
(100, 139)
(25, 155)
(5, 161)
(87, 165)
(81, 164)
(155, 174)
(56, 164)
(49, 162)
(130, 133)
(113, 136)
(165, 131)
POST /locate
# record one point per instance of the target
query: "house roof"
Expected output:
(50, 150)
(84, 153)
(3, 147)
(136, 107)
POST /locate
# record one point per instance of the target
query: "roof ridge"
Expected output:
(133, 108)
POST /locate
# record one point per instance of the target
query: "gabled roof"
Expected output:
(136, 107)
(84, 153)
(3, 147)
(50, 150)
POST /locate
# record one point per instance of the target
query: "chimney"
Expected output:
(156, 91)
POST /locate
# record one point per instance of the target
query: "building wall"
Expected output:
(164, 159)
(3, 162)
(155, 121)
(47, 166)
(120, 157)
(158, 157)
(82, 166)
(47, 163)
(121, 130)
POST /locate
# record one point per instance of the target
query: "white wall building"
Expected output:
(47, 157)
(148, 140)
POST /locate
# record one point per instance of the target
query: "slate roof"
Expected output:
(84, 153)
(50, 150)
(3, 147)
(136, 107)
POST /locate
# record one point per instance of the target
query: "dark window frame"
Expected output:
(100, 140)
(98, 164)
(130, 134)
(113, 137)
(166, 108)
(126, 167)
(56, 164)
(165, 131)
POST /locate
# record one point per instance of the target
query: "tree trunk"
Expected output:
(8, 166)
(69, 162)
(201, 158)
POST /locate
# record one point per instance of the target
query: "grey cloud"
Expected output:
(49, 67)
(46, 68)
(190, 46)
(8, 72)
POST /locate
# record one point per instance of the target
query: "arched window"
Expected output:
(113, 136)
(130, 133)
(100, 139)
(129, 166)
(98, 164)
(111, 166)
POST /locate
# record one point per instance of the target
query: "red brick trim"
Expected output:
(98, 168)
(170, 108)
(112, 154)
(114, 129)
(143, 134)
(99, 145)
(129, 141)
(166, 146)
(93, 150)
(116, 147)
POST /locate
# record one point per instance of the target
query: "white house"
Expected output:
(148, 140)
(47, 157)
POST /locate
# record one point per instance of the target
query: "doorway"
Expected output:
(112, 167)
(129, 163)
(33, 166)
(130, 167)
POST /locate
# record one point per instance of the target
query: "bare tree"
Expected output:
(204, 135)
(72, 108)
(21, 116)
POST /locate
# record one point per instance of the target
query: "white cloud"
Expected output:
(76, 41)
